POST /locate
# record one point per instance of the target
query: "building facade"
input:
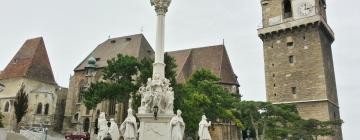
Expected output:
(214, 58)
(30, 68)
(298, 58)
(77, 116)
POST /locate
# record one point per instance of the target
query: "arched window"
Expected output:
(39, 108)
(46, 109)
(7, 107)
(86, 125)
(287, 8)
(76, 117)
(112, 107)
(81, 89)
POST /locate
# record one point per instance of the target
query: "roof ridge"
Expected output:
(196, 48)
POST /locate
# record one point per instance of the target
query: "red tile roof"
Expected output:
(31, 61)
(134, 45)
(213, 58)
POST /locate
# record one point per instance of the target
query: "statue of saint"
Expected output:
(204, 129)
(114, 130)
(102, 125)
(128, 128)
(177, 127)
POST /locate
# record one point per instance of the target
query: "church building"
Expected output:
(30, 68)
(214, 58)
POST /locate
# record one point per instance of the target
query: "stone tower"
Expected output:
(298, 58)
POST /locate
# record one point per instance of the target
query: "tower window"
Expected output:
(274, 85)
(290, 44)
(7, 107)
(293, 90)
(46, 109)
(291, 59)
(39, 108)
(287, 8)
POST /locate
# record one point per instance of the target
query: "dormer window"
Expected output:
(287, 8)
(15, 61)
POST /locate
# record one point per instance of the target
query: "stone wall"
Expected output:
(38, 92)
(309, 80)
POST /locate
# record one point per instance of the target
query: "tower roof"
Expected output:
(213, 58)
(31, 61)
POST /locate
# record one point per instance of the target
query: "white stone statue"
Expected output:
(114, 130)
(204, 129)
(157, 92)
(102, 125)
(177, 127)
(128, 128)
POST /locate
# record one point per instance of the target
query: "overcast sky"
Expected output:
(73, 28)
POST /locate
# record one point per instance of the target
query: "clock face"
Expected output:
(305, 9)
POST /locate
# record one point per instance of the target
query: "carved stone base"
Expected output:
(151, 129)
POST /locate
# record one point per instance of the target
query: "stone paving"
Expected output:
(26, 135)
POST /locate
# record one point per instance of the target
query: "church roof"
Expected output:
(213, 58)
(133, 45)
(31, 61)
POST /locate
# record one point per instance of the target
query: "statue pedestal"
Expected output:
(151, 129)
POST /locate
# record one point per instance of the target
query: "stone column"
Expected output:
(155, 123)
(161, 7)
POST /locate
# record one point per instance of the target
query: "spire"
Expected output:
(31, 61)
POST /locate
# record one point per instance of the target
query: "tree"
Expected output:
(202, 94)
(1, 124)
(20, 105)
(282, 121)
(124, 75)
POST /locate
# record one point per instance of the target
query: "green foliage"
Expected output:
(1, 124)
(170, 69)
(124, 75)
(119, 85)
(21, 104)
(281, 121)
(203, 95)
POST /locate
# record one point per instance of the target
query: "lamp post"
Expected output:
(161, 8)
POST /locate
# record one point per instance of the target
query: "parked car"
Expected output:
(84, 136)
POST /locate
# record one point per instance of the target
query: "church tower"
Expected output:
(298, 58)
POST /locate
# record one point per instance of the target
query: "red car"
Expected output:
(85, 136)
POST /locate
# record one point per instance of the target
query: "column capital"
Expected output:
(161, 6)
